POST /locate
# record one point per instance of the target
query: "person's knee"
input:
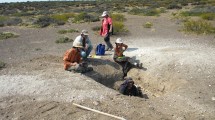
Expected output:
(83, 54)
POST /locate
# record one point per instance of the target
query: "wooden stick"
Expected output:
(86, 108)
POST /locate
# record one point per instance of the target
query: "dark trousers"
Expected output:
(126, 65)
(107, 41)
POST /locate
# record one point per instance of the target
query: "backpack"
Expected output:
(100, 49)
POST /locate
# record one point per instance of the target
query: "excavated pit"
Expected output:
(109, 73)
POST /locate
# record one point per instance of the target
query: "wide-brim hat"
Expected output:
(104, 13)
(119, 40)
(84, 32)
(77, 44)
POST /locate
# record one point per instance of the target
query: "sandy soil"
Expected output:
(178, 79)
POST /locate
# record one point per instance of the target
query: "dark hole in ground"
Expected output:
(108, 73)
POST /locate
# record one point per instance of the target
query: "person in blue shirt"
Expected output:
(86, 43)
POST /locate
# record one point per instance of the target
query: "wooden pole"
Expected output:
(86, 108)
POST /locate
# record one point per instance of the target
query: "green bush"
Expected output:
(6, 35)
(67, 31)
(174, 5)
(72, 30)
(148, 25)
(145, 11)
(2, 65)
(198, 27)
(118, 17)
(62, 31)
(162, 9)
(3, 20)
(44, 21)
(1, 24)
(199, 11)
(208, 16)
(119, 27)
(64, 40)
(85, 17)
(13, 21)
(63, 17)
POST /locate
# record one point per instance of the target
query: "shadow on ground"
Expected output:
(105, 72)
(108, 73)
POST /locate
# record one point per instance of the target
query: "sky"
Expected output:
(8, 1)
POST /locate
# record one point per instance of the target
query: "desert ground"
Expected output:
(178, 78)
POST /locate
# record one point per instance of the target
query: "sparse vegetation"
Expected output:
(208, 16)
(63, 17)
(67, 31)
(2, 65)
(44, 21)
(119, 27)
(148, 25)
(59, 13)
(118, 17)
(145, 11)
(198, 27)
(38, 49)
(85, 17)
(64, 40)
(118, 23)
(13, 21)
(3, 20)
(7, 35)
(205, 12)
(96, 28)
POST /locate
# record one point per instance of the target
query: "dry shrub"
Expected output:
(67, 31)
(63, 17)
(2, 65)
(148, 25)
(208, 16)
(64, 40)
(198, 27)
(7, 35)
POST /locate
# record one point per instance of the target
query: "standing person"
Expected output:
(72, 59)
(86, 43)
(125, 62)
(106, 29)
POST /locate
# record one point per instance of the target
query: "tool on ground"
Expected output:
(90, 109)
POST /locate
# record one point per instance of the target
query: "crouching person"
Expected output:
(72, 59)
(86, 43)
(128, 88)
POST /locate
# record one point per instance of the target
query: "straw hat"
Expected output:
(77, 44)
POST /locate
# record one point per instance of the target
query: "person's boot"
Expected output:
(88, 69)
(141, 65)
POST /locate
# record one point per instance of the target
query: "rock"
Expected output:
(96, 103)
